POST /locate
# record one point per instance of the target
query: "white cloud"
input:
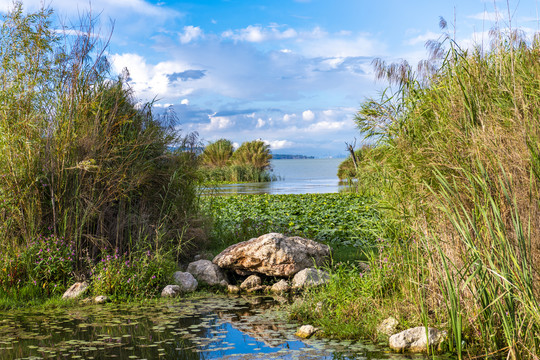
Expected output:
(149, 80)
(184, 102)
(328, 126)
(288, 117)
(279, 144)
(218, 123)
(308, 115)
(190, 34)
(260, 123)
(256, 33)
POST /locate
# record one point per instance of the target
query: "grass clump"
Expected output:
(81, 161)
(457, 159)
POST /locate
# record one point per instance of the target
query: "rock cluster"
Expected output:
(268, 256)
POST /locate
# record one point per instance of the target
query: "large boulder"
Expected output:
(75, 290)
(416, 339)
(310, 277)
(186, 281)
(207, 272)
(273, 255)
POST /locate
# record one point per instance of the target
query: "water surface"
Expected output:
(295, 176)
(220, 327)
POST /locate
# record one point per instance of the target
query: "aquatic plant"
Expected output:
(341, 220)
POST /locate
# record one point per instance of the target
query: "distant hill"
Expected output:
(284, 156)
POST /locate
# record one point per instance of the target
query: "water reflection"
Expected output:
(208, 328)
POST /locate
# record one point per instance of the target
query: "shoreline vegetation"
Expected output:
(221, 163)
(441, 232)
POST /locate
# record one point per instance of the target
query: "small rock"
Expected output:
(171, 291)
(207, 272)
(251, 282)
(260, 288)
(306, 331)
(388, 326)
(415, 340)
(75, 290)
(310, 277)
(186, 281)
(280, 287)
(101, 299)
(233, 289)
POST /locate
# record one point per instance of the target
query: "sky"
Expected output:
(290, 72)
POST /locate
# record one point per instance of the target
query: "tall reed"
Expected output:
(80, 158)
(458, 160)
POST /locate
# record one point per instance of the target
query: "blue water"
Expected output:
(295, 176)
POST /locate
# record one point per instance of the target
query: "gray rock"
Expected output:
(101, 299)
(251, 282)
(207, 272)
(281, 286)
(273, 255)
(310, 277)
(171, 291)
(415, 339)
(306, 331)
(75, 290)
(388, 326)
(186, 281)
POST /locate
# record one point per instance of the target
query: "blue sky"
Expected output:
(290, 72)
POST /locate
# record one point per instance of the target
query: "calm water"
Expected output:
(297, 176)
(208, 328)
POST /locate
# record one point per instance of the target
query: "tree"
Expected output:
(217, 153)
(255, 153)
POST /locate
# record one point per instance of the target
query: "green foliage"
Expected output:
(44, 268)
(235, 174)
(217, 153)
(336, 219)
(79, 158)
(255, 153)
(141, 274)
(457, 159)
(249, 163)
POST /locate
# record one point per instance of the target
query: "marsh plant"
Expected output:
(80, 159)
(458, 161)
(249, 163)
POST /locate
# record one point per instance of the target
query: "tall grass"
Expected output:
(458, 159)
(80, 158)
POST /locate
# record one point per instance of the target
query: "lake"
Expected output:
(296, 176)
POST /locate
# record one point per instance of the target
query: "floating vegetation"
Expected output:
(210, 328)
